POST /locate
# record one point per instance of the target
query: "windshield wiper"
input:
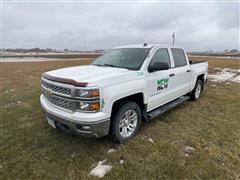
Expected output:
(110, 65)
(97, 64)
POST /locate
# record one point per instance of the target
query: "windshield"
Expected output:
(129, 58)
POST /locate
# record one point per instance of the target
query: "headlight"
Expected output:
(87, 93)
(88, 99)
(88, 106)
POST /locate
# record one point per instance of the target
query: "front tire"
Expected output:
(197, 91)
(126, 122)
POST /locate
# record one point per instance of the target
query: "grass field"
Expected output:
(31, 149)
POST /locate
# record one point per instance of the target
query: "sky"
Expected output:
(199, 26)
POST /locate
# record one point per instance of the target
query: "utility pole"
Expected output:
(173, 36)
(84, 41)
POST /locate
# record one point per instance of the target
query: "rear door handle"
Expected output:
(172, 74)
(188, 70)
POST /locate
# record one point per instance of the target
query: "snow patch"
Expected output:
(73, 154)
(226, 74)
(189, 150)
(151, 140)
(100, 170)
(19, 102)
(7, 91)
(112, 150)
(236, 79)
(121, 161)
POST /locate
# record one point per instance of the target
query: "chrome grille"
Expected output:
(58, 101)
(57, 89)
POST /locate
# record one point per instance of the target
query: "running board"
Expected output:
(162, 109)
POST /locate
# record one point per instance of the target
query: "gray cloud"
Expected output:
(198, 26)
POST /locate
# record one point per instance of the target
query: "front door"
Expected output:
(159, 82)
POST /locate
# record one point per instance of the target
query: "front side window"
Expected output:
(129, 58)
(178, 57)
(161, 55)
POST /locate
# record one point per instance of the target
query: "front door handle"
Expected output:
(189, 70)
(172, 74)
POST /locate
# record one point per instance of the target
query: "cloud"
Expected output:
(198, 25)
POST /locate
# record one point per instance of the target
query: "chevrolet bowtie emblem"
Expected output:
(49, 93)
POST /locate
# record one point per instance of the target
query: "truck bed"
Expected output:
(196, 62)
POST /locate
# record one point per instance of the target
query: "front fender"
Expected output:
(118, 91)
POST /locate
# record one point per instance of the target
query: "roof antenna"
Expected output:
(173, 37)
(145, 44)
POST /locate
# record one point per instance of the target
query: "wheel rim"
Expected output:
(128, 123)
(198, 91)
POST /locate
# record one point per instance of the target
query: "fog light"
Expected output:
(86, 128)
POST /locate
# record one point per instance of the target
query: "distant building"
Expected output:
(101, 51)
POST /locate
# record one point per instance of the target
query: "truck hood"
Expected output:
(91, 74)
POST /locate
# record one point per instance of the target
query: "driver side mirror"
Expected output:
(157, 66)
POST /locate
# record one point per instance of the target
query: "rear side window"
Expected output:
(161, 55)
(179, 57)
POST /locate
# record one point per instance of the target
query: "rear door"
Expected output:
(160, 82)
(182, 73)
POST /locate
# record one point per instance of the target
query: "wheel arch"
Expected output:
(200, 77)
(137, 98)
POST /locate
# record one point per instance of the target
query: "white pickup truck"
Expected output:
(120, 89)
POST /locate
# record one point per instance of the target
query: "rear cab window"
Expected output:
(178, 57)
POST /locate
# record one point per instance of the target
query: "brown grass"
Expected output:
(31, 149)
(219, 62)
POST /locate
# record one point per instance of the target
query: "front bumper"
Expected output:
(96, 129)
(98, 123)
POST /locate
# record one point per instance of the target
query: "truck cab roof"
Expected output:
(147, 46)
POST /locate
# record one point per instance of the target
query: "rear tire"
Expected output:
(197, 91)
(126, 122)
